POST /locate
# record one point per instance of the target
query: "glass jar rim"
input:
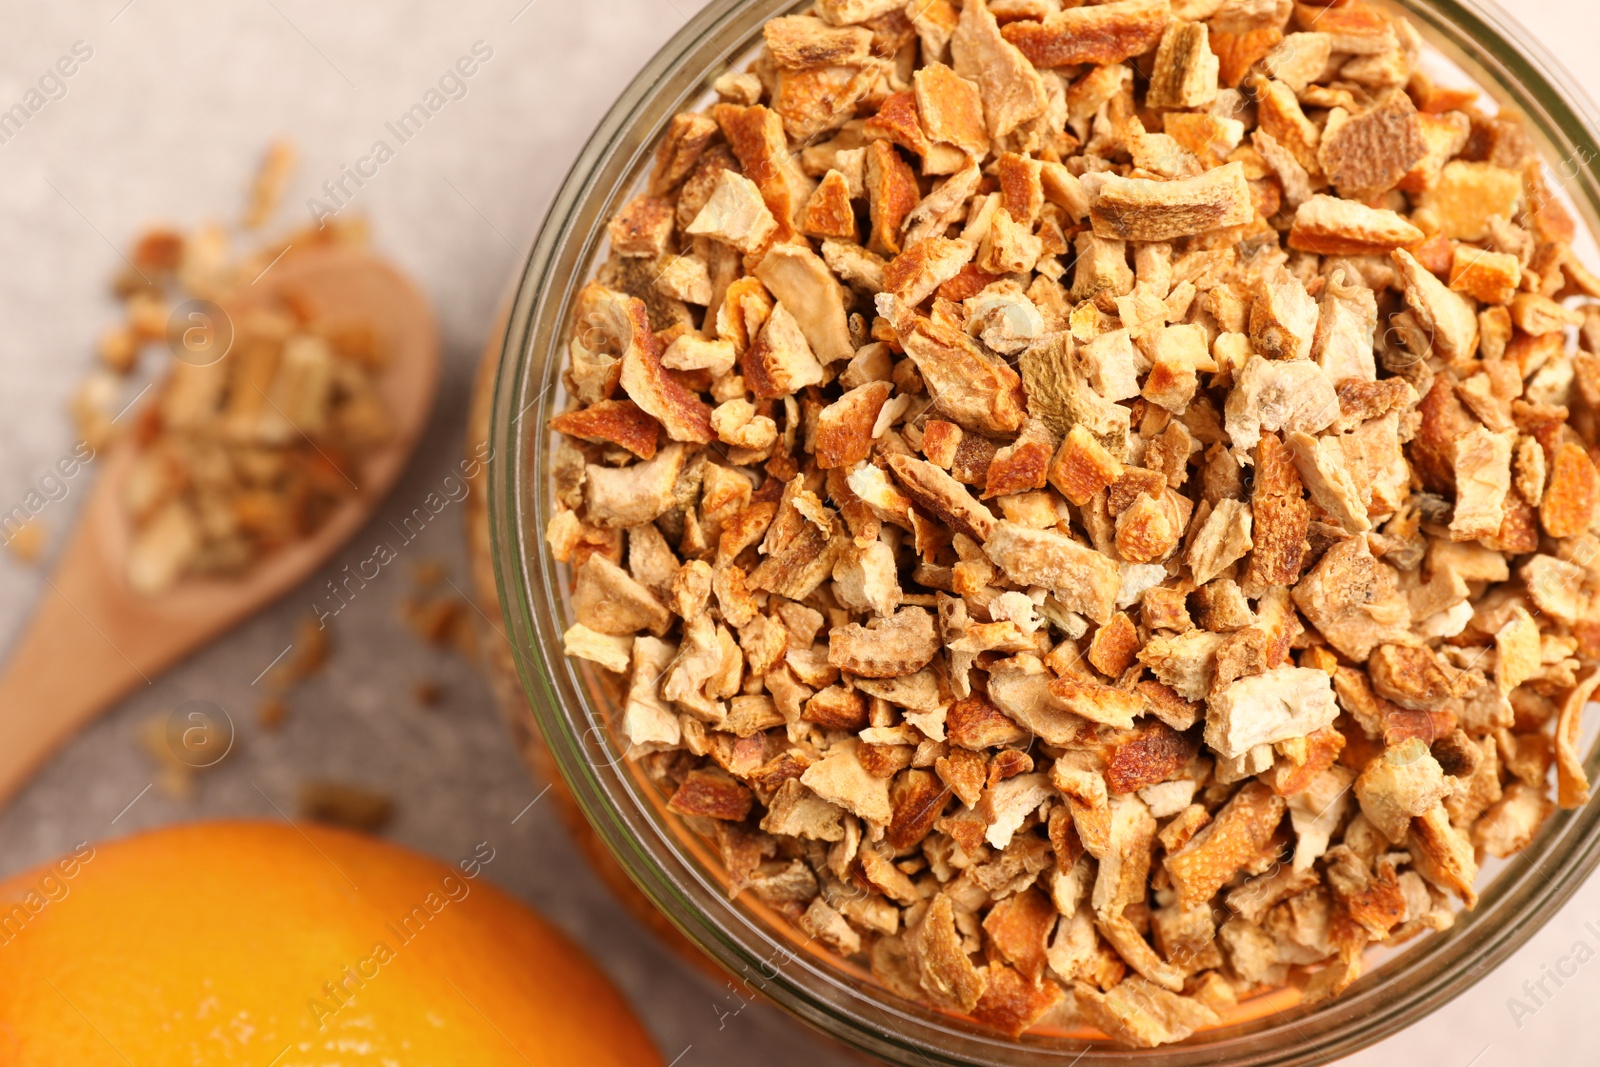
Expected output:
(1505, 63)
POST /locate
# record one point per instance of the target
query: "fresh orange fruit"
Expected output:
(268, 945)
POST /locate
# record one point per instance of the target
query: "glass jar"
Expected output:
(681, 873)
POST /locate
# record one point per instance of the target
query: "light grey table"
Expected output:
(165, 120)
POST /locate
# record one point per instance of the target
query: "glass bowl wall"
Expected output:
(680, 873)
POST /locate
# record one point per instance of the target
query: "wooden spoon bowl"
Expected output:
(93, 638)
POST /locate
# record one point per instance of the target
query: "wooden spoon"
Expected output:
(93, 638)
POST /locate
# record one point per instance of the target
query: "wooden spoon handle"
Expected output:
(68, 667)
